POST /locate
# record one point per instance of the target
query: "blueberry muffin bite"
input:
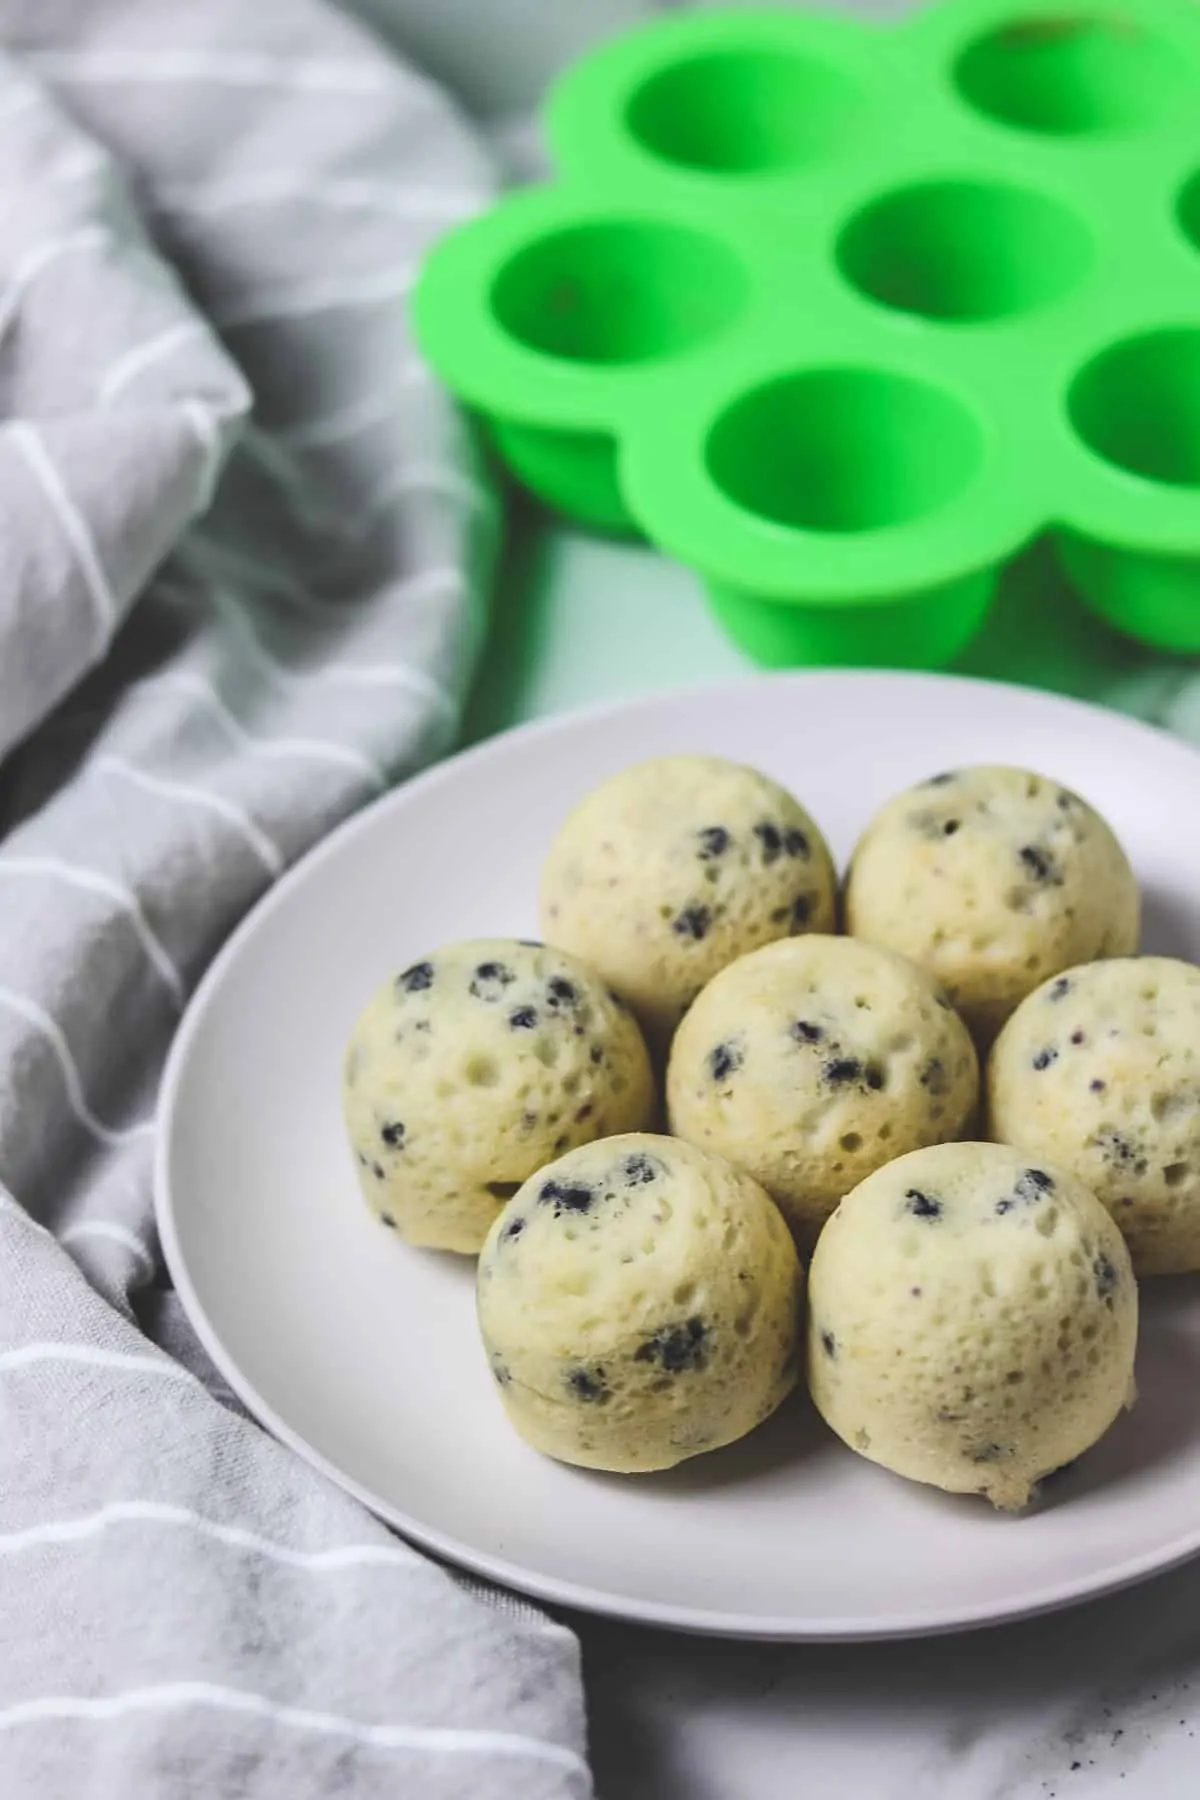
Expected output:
(473, 1068)
(972, 1320)
(1099, 1070)
(993, 879)
(811, 1062)
(672, 868)
(639, 1303)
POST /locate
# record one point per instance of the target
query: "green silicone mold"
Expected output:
(843, 316)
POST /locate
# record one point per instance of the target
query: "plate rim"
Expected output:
(553, 1590)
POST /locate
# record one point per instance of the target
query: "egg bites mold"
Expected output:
(843, 316)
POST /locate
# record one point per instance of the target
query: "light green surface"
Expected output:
(579, 620)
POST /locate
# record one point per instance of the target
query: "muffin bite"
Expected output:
(672, 868)
(473, 1068)
(1099, 1070)
(811, 1062)
(993, 879)
(972, 1320)
(639, 1303)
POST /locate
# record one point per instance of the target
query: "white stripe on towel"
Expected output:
(91, 1356)
(207, 433)
(186, 681)
(40, 1019)
(91, 881)
(88, 237)
(368, 675)
(75, 527)
(344, 422)
(155, 1512)
(419, 477)
(268, 853)
(430, 1738)
(235, 69)
(283, 189)
(317, 297)
(126, 367)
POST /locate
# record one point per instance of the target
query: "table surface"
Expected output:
(1098, 1702)
(580, 619)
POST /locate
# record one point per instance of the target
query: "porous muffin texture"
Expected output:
(674, 867)
(473, 1068)
(993, 879)
(639, 1302)
(1099, 1070)
(973, 1320)
(811, 1062)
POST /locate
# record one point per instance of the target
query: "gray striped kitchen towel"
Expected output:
(243, 554)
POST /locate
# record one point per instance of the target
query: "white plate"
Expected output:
(362, 1353)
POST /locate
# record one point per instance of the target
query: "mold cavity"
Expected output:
(844, 450)
(851, 1141)
(963, 250)
(1174, 1173)
(742, 111)
(884, 1133)
(1071, 76)
(615, 291)
(685, 1293)
(503, 1190)
(1138, 405)
(1189, 210)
